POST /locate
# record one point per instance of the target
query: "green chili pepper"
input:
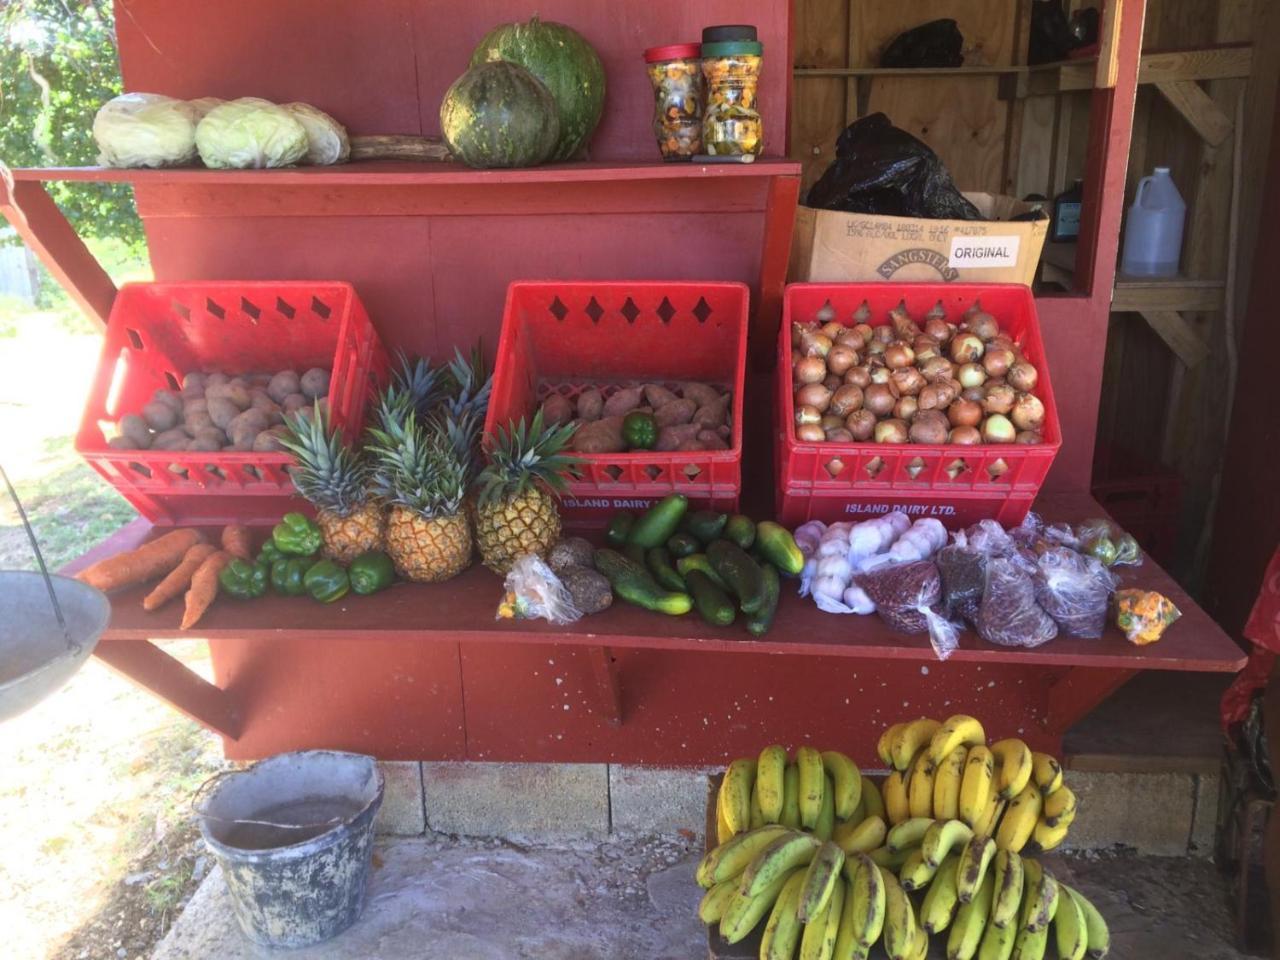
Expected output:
(270, 553)
(370, 572)
(326, 581)
(244, 580)
(287, 575)
(297, 536)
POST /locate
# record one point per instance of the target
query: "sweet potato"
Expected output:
(600, 436)
(590, 404)
(712, 415)
(204, 587)
(179, 578)
(557, 409)
(674, 413)
(622, 402)
(236, 541)
(658, 396)
(710, 440)
(673, 438)
(149, 561)
(700, 393)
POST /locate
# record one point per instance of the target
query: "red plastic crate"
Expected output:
(566, 336)
(833, 481)
(159, 332)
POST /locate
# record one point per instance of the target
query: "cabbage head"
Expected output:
(250, 133)
(145, 130)
(327, 141)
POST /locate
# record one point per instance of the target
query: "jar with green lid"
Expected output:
(731, 125)
(678, 95)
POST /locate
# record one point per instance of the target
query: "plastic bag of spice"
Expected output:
(964, 576)
(532, 591)
(1075, 590)
(1010, 615)
(908, 598)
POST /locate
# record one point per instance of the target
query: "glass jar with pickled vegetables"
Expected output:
(678, 99)
(731, 125)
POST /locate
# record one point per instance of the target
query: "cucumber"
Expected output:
(619, 528)
(713, 604)
(704, 525)
(741, 530)
(699, 561)
(740, 572)
(759, 623)
(633, 583)
(635, 553)
(659, 522)
(775, 544)
(660, 566)
(682, 545)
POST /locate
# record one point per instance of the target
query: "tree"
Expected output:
(58, 64)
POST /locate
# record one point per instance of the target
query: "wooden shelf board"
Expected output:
(975, 71)
(1175, 293)
(1211, 63)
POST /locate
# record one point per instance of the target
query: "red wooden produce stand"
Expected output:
(425, 672)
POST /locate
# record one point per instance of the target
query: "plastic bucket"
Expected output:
(294, 837)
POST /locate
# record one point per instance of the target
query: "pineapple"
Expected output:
(419, 475)
(335, 480)
(516, 510)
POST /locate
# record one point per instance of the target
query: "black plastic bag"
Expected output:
(883, 170)
(1051, 37)
(937, 43)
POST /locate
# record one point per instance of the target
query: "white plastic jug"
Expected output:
(1153, 229)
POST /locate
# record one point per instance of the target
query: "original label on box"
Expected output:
(980, 252)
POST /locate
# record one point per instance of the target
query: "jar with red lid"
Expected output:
(678, 93)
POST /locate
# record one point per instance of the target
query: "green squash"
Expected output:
(498, 114)
(561, 58)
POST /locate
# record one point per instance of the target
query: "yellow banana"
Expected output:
(1030, 944)
(1045, 838)
(790, 816)
(864, 907)
(819, 881)
(940, 902)
(899, 919)
(974, 860)
(888, 859)
(714, 901)
(847, 780)
(757, 815)
(820, 934)
(1099, 935)
(732, 857)
(736, 788)
(782, 931)
(1040, 896)
(987, 826)
(1046, 771)
(864, 837)
(771, 772)
(997, 942)
(1013, 767)
(745, 910)
(1060, 808)
(885, 744)
(910, 739)
(827, 815)
(960, 730)
(908, 834)
(915, 873)
(920, 786)
(1019, 820)
(872, 802)
(723, 831)
(1009, 888)
(812, 785)
(895, 798)
(970, 922)
(787, 852)
(1069, 930)
(977, 785)
(942, 837)
(947, 779)
(920, 949)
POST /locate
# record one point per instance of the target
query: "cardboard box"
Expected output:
(834, 247)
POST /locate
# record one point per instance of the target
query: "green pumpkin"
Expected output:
(561, 58)
(498, 114)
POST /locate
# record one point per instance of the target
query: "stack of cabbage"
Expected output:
(151, 130)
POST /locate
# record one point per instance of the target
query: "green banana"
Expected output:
(756, 820)
(745, 910)
(899, 919)
(784, 854)
(940, 902)
(826, 823)
(908, 834)
(887, 859)
(864, 907)
(943, 836)
(790, 815)
(1095, 924)
(998, 942)
(820, 879)
(1030, 944)
(1009, 884)
(782, 932)
(1070, 933)
(731, 857)
(915, 874)
(974, 860)
(819, 940)
(812, 785)
(714, 901)
(971, 922)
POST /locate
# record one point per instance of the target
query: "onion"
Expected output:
(862, 424)
(928, 429)
(810, 370)
(903, 325)
(926, 348)
(937, 368)
(909, 381)
(796, 357)
(832, 382)
(878, 398)
(832, 329)
(1028, 412)
(810, 433)
(1004, 341)
(997, 429)
(852, 339)
(964, 413)
(999, 399)
(964, 436)
(807, 415)
(1029, 436)
(859, 376)
(884, 333)
(879, 374)
(935, 396)
(976, 394)
(971, 375)
(875, 350)
(831, 422)
(891, 431)
(899, 354)
(815, 344)
(997, 360)
(905, 408)
(798, 330)
(966, 348)
(839, 435)
(1023, 376)
(982, 324)
(864, 330)
(938, 328)
(840, 358)
(814, 395)
(846, 400)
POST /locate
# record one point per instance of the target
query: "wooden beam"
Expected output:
(1192, 296)
(1212, 63)
(1197, 108)
(1108, 70)
(1178, 335)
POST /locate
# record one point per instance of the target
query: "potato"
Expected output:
(194, 404)
(590, 404)
(198, 422)
(283, 384)
(671, 438)
(222, 411)
(710, 440)
(268, 406)
(622, 402)
(590, 590)
(256, 420)
(169, 397)
(571, 552)
(712, 415)
(295, 402)
(658, 396)
(207, 441)
(175, 439)
(160, 416)
(194, 384)
(259, 380)
(700, 393)
(268, 441)
(122, 443)
(600, 436)
(135, 428)
(215, 380)
(557, 409)
(674, 413)
(238, 393)
(315, 383)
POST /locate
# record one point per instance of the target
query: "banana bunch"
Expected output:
(946, 772)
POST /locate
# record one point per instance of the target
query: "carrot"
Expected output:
(235, 540)
(179, 577)
(146, 563)
(204, 587)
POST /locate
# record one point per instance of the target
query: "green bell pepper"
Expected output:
(270, 553)
(326, 581)
(639, 430)
(287, 575)
(297, 536)
(370, 572)
(244, 580)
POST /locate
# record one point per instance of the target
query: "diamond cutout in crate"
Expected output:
(998, 470)
(320, 308)
(873, 467)
(957, 468)
(558, 309)
(702, 310)
(594, 310)
(834, 467)
(251, 309)
(285, 308)
(215, 309)
(613, 472)
(181, 309)
(863, 313)
(653, 471)
(692, 471)
(630, 310)
(665, 310)
(915, 467)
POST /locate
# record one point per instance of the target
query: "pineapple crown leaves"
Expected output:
(524, 454)
(423, 384)
(470, 383)
(326, 471)
(416, 466)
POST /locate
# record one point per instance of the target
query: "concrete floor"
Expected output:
(444, 899)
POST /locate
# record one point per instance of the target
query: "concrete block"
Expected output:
(1151, 813)
(532, 800)
(650, 800)
(1204, 827)
(401, 812)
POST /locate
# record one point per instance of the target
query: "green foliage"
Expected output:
(58, 64)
